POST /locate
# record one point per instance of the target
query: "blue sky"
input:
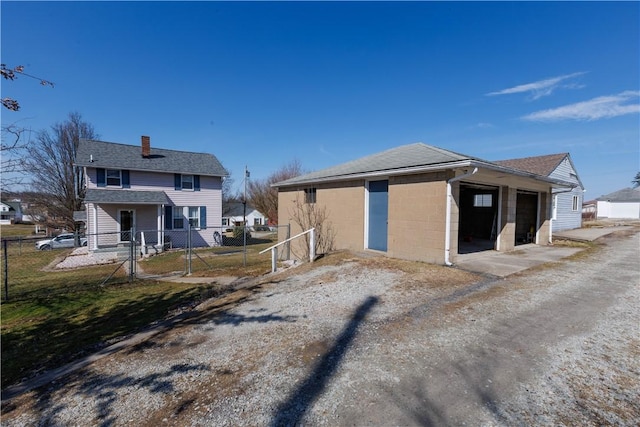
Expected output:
(262, 84)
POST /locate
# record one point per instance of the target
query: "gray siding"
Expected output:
(566, 217)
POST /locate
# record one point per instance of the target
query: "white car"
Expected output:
(65, 240)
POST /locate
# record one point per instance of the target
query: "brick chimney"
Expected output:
(146, 146)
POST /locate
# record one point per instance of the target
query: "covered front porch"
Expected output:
(116, 217)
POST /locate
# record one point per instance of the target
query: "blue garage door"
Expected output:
(378, 214)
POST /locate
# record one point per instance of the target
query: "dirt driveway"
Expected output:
(381, 342)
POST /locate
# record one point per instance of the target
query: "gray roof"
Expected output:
(396, 159)
(236, 209)
(412, 158)
(624, 195)
(95, 195)
(100, 154)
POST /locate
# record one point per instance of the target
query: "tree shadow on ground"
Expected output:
(105, 390)
(294, 408)
(69, 340)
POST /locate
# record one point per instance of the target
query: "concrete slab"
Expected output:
(504, 264)
(588, 234)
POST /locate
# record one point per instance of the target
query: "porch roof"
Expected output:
(95, 195)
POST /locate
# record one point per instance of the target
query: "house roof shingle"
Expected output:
(95, 195)
(625, 195)
(100, 154)
(540, 165)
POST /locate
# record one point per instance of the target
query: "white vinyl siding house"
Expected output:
(566, 206)
(158, 194)
(568, 202)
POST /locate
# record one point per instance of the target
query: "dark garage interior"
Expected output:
(478, 218)
(526, 217)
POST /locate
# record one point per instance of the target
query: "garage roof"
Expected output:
(406, 159)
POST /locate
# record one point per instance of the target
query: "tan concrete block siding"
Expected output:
(417, 217)
(544, 230)
(344, 203)
(508, 229)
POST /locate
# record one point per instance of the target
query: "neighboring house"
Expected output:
(10, 213)
(421, 202)
(234, 215)
(622, 204)
(590, 210)
(156, 191)
(566, 210)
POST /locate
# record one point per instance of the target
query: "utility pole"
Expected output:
(244, 216)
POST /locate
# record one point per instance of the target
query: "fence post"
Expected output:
(274, 259)
(244, 244)
(288, 246)
(131, 253)
(6, 270)
(189, 249)
(312, 245)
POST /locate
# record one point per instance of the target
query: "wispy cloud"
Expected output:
(603, 107)
(542, 87)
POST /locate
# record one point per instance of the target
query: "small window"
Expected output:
(178, 218)
(310, 195)
(114, 177)
(187, 182)
(225, 222)
(194, 216)
(574, 205)
(482, 200)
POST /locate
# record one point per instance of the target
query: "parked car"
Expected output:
(64, 240)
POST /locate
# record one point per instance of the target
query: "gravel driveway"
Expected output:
(381, 342)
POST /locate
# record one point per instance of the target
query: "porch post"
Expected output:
(160, 222)
(94, 227)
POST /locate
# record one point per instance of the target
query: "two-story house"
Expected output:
(157, 192)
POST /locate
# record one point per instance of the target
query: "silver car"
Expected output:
(65, 240)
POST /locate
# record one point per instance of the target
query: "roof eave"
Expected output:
(555, 183)
(376, 174)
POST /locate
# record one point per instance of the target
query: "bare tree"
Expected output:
(50, 163)
(307, 216)
(12, 149)
(12, 74)
(228, 196)
(263, 197)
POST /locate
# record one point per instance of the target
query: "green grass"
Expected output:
(211, 262)
(17, 230)
(52, 317)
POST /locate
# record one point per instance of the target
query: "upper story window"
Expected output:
(187, 182)
(482, 201)
(112, 178)
(310, 195)
(575, 203)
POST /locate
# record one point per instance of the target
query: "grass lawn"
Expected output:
(52, 317)
(18, 230)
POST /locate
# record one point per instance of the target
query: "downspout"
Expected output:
(447, 227)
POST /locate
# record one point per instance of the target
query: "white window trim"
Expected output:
(182, 181)
(106, 177)
(575, 203)
(133, 214)
(188, 216)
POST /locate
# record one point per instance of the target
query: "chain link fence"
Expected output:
(123, 256)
